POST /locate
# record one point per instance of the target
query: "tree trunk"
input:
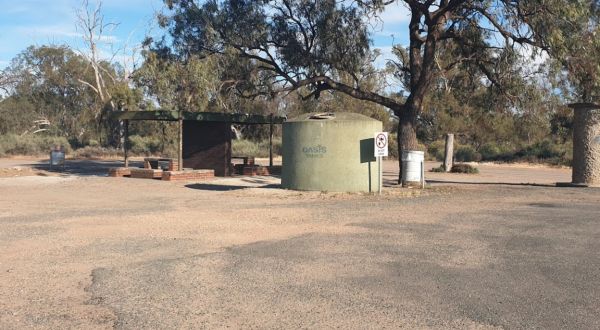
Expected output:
(407, 131)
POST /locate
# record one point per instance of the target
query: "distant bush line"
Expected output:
(546, 151)
(40, 145)
(35, 145)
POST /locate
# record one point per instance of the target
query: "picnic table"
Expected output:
(248, 160)
(154, 163)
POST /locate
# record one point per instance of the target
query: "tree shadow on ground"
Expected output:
(223, 187)
(492, 183)
(84, 167)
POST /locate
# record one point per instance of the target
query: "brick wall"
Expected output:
(190, 175)
(117, 172)
(242, 169)
(144, 173)
(207, 145)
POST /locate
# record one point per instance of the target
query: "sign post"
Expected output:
(381, 150)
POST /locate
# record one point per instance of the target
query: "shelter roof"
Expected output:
(584, 106)
(167, 115)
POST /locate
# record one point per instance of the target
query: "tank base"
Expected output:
(412, 184)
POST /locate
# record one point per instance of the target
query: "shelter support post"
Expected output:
(180, 143)
(271, 140)
(126, 142)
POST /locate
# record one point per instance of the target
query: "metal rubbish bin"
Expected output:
(413, 168)
(57, 158)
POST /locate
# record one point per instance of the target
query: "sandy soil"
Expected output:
(501, 249)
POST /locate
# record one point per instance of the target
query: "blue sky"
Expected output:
(40, 22)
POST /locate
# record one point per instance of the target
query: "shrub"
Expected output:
(144, 145)
(464, 168)
(467, 153)
(439, 169)
(97, 152)
(547, 152)
(255, 149)
(490, 151)
(436, 150)
(543, 150)
(393, 146)
(12, 144)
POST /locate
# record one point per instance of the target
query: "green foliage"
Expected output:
(145, 145)
(439, 169)
(12, 144)
(464, 168)
(191, 85)
(466, 153)
(315, 47)
(436, 150)
(97, 152)
(93, 143)
(547, 151)
(490, 151)
(255, 149)
(393, 146)
(575, 65)
(457, 168)
(48, 83)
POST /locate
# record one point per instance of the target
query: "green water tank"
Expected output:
(330, 152)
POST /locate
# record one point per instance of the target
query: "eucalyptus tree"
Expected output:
(577, 69)
(45, 83)
(310, 44)
(45, 86)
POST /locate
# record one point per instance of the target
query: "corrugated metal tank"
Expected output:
(330, 152)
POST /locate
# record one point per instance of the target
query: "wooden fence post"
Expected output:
(449, 152)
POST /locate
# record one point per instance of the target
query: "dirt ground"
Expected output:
(502, 249)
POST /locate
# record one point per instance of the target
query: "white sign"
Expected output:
(381, 144)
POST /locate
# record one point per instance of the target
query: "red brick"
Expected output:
(119, 172)
(188, 175)
(145, 173)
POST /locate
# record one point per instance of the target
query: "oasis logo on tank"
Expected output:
(314, 151)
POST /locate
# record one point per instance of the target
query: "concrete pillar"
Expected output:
(586, 144)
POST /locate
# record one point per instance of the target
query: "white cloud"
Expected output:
(392, 21)
(533, 60)
(395, 13)
(386, 55)
(50, 30)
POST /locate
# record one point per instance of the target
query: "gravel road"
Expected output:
(500, 250)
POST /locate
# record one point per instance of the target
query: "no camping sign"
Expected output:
(381, 144)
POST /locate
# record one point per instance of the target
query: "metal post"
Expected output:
(380, 174)
(271, 140)
(126, 142)
(423, 174)
(180, 144)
